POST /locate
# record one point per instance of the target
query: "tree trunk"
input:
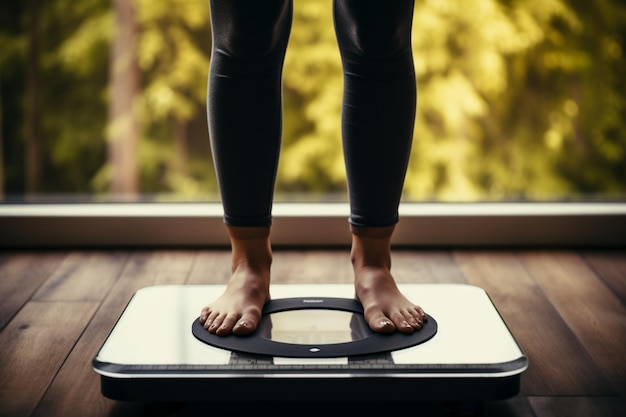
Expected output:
(1, 149)
(33, 102)
(124, 85)
(181, 144)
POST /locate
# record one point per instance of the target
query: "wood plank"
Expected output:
(331, 267)
(425, 267)
(83, 276)
(590, 309)
(559, 365)
(312, 267)
(33, 347)
(610, 266)
(21, 273)
(76, 389)
(578, 406)
(288, 267)
(517, 406)
(211, 267)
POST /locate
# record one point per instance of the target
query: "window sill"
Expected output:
(312, 224)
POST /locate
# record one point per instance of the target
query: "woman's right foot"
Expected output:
(238, 310)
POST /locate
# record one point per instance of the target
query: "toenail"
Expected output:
(385, 323)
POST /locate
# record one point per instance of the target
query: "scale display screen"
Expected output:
(313, 327)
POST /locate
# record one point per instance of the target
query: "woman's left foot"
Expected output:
(385, 308)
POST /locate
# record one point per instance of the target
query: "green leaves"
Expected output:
(516, 98)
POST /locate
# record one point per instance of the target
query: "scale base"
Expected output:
(472, 358)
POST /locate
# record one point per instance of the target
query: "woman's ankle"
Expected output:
(371, 246)
(250, 247)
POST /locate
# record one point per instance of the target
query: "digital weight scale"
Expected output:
(311, 345)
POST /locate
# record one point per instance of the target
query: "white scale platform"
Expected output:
(152, 355)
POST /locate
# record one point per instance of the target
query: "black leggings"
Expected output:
(245, 103)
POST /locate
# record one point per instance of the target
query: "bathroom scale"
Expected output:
(312, 345)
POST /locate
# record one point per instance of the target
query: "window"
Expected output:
(520, 108)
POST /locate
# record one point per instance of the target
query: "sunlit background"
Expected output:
(517, 101)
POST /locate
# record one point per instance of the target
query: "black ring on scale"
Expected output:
(371, 343)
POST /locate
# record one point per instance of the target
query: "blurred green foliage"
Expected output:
(517, 99)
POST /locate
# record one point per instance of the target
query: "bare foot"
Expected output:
(238, 310)
(385, 308)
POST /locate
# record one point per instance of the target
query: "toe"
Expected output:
(244, 328)
(204, 314)
(415, 322)
(402, 323)
(227, 325)
(381, 324)
(214, 323)
(209, 320)
(248, 322)
(246, 325)
(421, 314)
(415, 319)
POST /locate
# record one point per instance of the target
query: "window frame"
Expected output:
(502, 224)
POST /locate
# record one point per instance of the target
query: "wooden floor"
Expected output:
(566, 308)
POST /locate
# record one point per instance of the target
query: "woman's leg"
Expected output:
(244, 108)
(378, 115)
(244, 103)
